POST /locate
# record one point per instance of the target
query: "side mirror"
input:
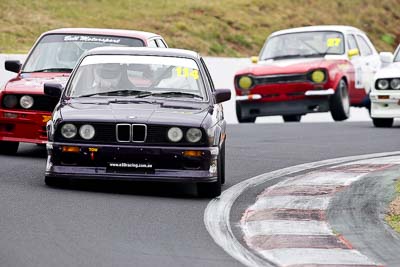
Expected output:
(53, 89)
(353, 52)
(13, 65)
(254, 60)
(386, 58)
(222, 95)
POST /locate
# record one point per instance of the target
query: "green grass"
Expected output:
(394, 219)
(222, 27)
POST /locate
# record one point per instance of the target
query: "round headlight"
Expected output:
(383, 84)
(68, 130)
(26, 101)
(10, 101)
(87, 131)
(318, 76)
(175, 134)
(245, 82)
(193, 135)
(395, 84)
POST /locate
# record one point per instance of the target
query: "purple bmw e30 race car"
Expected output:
(138, 114)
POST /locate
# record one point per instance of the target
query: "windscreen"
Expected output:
(397, 55)
(303, 44)
(137, 76)
(60, 52)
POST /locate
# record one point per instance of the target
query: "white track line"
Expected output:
(291, 202)
(328, 178)
(217, 213)
(300, 256)
(281, 227)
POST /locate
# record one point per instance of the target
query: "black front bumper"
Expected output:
(168, 164)
(251, 109)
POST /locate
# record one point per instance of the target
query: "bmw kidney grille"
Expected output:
(136, 133)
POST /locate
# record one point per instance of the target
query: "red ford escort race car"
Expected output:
(24, 109)
(306, 70)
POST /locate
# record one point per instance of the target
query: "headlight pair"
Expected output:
(11, 101)
(387, 84)
(193, 135)
(86, 131)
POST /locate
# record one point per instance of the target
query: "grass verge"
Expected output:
(214, 28)
(393, 217)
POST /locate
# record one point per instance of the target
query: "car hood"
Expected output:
(136, 111)
(32, 83)
(391, 71)
(287, 66)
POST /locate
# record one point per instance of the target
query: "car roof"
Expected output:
(144, 51)
(107, 32)
(339, 28)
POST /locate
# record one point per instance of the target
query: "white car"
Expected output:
(385, 93)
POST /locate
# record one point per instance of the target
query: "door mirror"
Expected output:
(53, 89)
(353, 52)
(13, 65)
(222, 95)
(254, 60)
(386, 58)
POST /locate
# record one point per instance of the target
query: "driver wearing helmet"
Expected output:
(107, 77)
(67, 56)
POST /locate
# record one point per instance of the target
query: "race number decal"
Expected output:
(358, 78)
(333, 42)
(186, 72)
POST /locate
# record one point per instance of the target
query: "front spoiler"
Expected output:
(295, 107)
(163, 159)
(176, 176)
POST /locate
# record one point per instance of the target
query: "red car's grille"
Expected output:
(283, 78)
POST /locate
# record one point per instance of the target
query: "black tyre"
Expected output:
(383, 123)
(291, 118)
(339, 103)
(8, 148)
(211, 190)
(243, 119)
(54, 182)
(222, 165)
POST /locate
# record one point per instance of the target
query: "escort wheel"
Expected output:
(339, 103)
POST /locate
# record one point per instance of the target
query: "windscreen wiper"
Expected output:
(124, 92)
(171, 94)
(51, 70)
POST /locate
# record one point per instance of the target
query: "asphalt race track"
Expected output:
(141, 224)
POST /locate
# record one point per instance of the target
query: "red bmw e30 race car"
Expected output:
(306, 70)
(24, 108)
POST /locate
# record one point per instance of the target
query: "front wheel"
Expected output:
(383, 123)
(339, 103)
(291, 118)
(213, 189)
(55, 182)
(209, 190)
(8, 148)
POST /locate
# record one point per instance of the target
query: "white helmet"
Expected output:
(67, 56)
(107, 75)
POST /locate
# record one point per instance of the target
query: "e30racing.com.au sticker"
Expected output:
(131, 165)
